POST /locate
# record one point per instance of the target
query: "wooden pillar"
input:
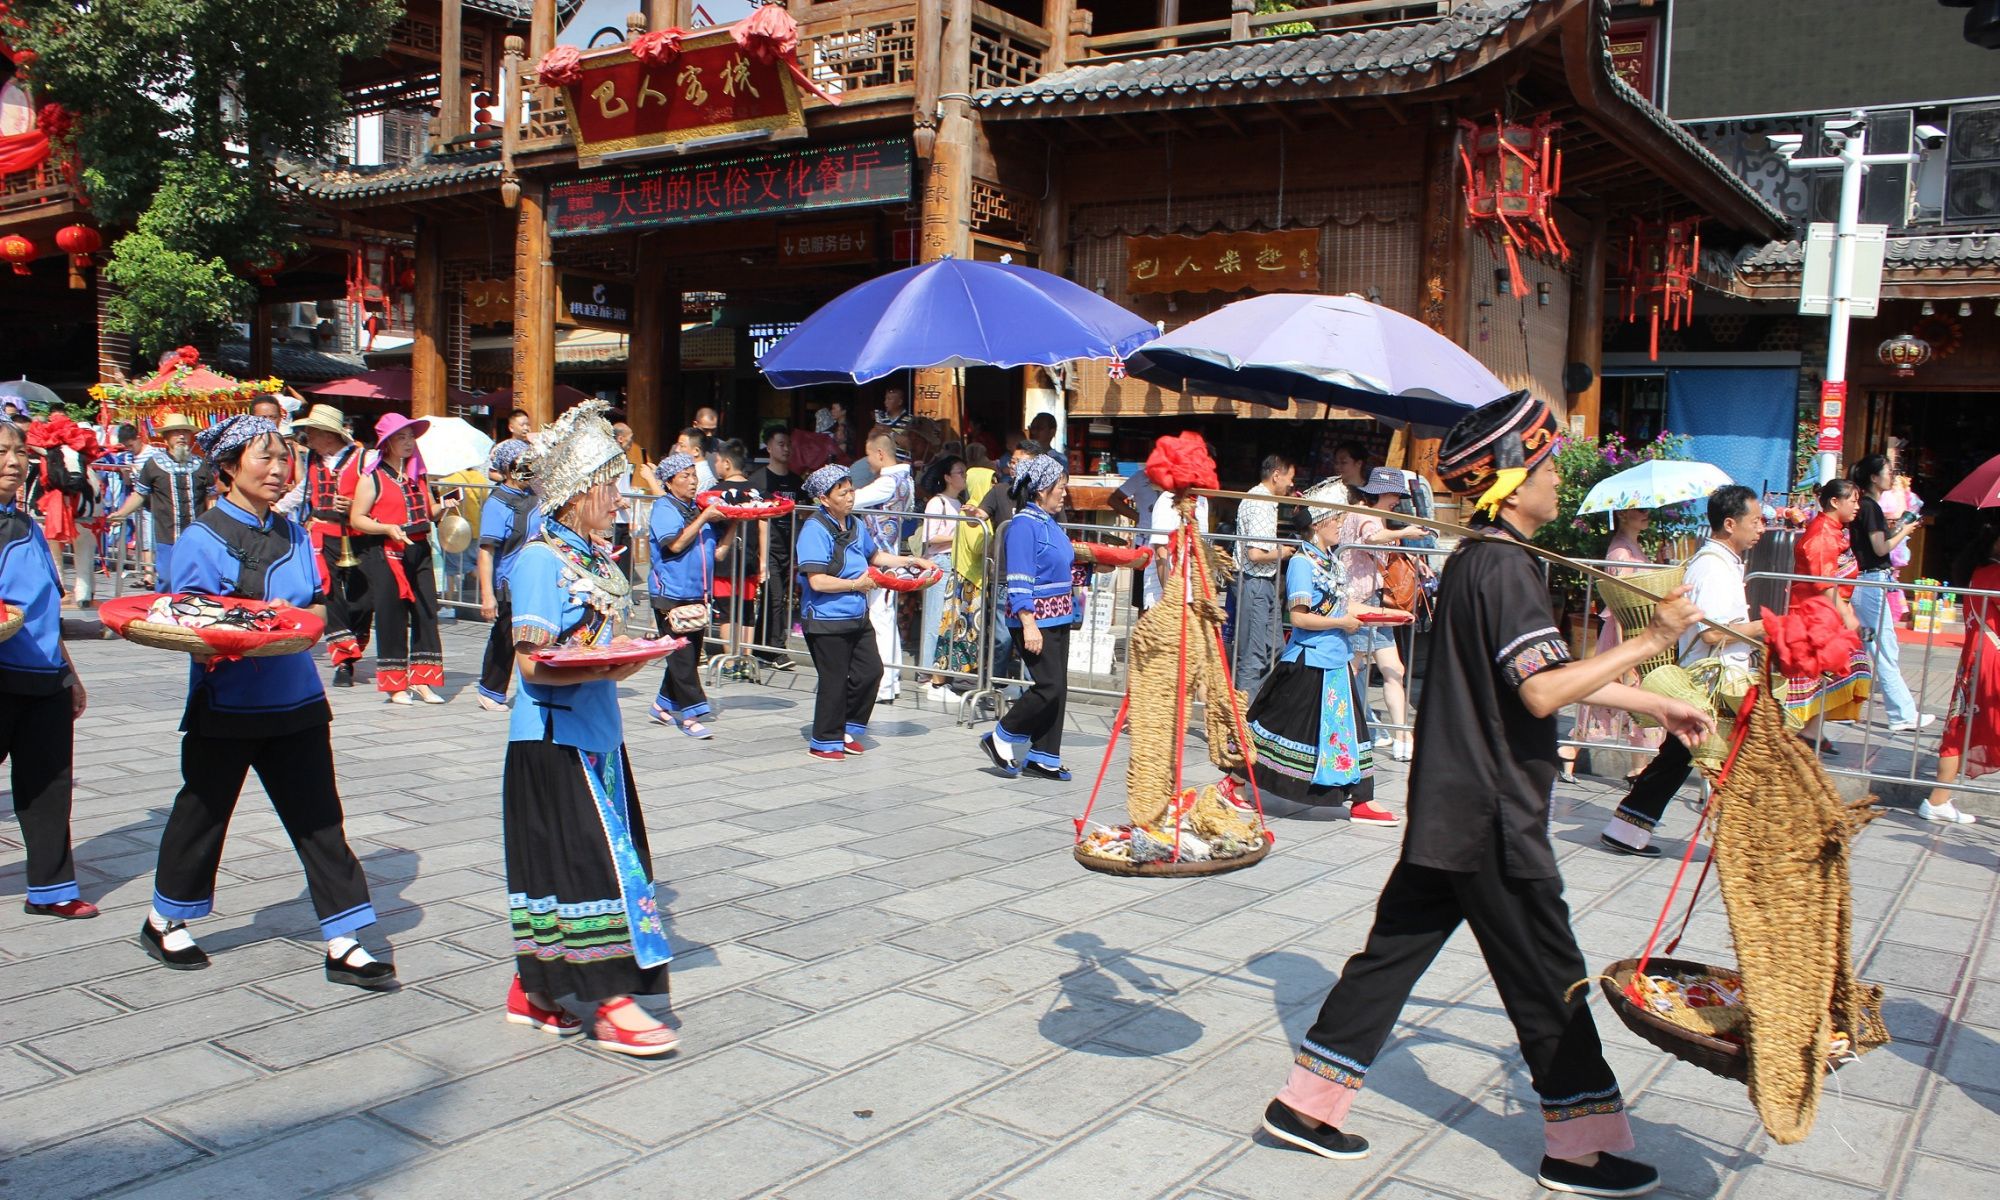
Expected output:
(1055, 22)
(1239, 19)
(427, 377)
(655, 307)
(1441, 281)
(946, 228)
(114, 350)
(660, 14)
(1586, 327)
(451, 86)
(541, 29)
(1170, 14)
(260, 340)
(534, 305)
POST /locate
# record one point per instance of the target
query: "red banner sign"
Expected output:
(1832, 415)
(711, 89)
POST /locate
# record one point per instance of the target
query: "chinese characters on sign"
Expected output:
(711, 89)
(489, 301)
(1632, 54)
(756, 184)
(595, 303)
(1285, 261)
(849, 241)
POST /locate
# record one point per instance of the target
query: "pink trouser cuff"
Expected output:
(1318, 1097)
(1579, 1136)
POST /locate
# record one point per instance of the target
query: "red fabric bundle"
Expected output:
(59, 508)
(1811, 640)
(1181, 462)
(560, 67)
(23, 151)
(659, 47)
(772, 35)
(811, 451)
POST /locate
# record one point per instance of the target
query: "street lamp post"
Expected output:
(1853, 159)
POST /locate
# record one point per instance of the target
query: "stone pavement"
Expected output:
(891, 982)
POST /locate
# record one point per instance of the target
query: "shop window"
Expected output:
(1634, 406)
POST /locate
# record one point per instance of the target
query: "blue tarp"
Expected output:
(1742, 419)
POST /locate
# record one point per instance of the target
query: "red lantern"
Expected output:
(407, 279)
(79, 242)
(19, 251)
(1661, 258)
(1512, 177)
(266, 269)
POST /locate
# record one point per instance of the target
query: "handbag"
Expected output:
(1401, 583)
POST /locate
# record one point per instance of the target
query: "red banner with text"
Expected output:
(712, 88)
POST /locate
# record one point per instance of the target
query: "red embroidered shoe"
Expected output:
(522, 1011)
(1368, 814)
(68, 910)
(827, 755)
(640, 1043)
(855, 747)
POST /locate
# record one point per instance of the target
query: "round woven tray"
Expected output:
(1709, 1053)
(1170, 870)
(125, 617)
(12, 617)
(895, 582)
(190, 641)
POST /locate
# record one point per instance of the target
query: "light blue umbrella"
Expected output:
(1656, 484)
(28, 393)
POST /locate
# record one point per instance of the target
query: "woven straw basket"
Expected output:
(12, 616)
(190, 641)
(1678, 1033)
(1632, 601)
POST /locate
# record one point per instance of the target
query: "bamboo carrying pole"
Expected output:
(1462, 531)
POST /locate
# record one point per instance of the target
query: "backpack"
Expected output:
(64, 470)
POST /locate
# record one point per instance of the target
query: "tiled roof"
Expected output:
(1272, 62)
(524, 10)
(291, 363)
(372, 183)
(1906, 253)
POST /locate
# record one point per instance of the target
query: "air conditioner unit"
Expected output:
(1972, 175)
(305, 315)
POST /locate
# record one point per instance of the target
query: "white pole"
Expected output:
(1852, 168)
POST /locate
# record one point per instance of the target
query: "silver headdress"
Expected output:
(574, 453)
(1331, 490)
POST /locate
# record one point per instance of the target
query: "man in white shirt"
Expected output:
(1165, 520)
(1259, 618)
(891, 489)
(1714, 579)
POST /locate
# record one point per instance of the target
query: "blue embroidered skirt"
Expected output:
(1311, 733)
(580, 895)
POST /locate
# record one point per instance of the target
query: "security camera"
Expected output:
(1786, 144)
(1930, 135)
(1842, 125)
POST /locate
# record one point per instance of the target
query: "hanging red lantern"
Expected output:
(79, 242)
(407, 279)
(1905, 352)
(1513, 174)
(19, 251)
(265, 269)
(1661, 258)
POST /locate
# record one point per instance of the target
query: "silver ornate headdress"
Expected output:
(574, 453)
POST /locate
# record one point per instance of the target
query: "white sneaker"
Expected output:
(1401, 752)
(1383, 743)
(491, 705)
(1944, 814)
(1923, 721)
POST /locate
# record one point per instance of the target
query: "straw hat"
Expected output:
(169, 421)
(324, 417)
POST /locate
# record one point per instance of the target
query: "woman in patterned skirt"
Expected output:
(580, 895)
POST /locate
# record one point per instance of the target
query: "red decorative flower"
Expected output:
(768, 34)
(55, 122)
(1811, 640)
(1179, 462)
(560, 67)
(187, 356)
(659, 47)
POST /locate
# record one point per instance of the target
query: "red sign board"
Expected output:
(1634, 47)
(1832, 415)
(760, 183)
(712, 88)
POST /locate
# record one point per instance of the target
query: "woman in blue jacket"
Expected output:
(1041, 607)
(40, 695)
(833, 554)
(683, 575)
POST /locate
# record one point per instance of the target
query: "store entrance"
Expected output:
(1947, 435)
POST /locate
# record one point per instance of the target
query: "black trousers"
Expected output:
(38, 735)
(850, 669)
(1037, 717)
(775, 607)
(497, 669)
(1523, 931)
(349, 614)
(407, 647)
(1651, 792)
(680, 687)
(296, 770)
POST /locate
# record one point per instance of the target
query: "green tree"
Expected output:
(183, 108)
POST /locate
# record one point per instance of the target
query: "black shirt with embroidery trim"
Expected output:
(1485, 766)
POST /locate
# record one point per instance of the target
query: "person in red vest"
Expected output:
(392, 507)
(319, 504)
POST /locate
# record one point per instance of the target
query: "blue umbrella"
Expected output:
(1339, 350)
(952, 313)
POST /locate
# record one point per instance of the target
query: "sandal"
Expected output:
(523, 1011)
(640, 1043)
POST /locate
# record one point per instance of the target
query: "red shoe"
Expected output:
(1232, 795)
(68, 910)
(854, 747)
(827, 755)
(522, 1011)
(641, 1043)
(1368, 814)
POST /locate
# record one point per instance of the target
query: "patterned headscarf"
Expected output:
(511, 456)
(672, 465)
(1036, 475)
(824, 480)
(232, 434)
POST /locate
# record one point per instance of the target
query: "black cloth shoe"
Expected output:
(1612, 1176)
(1649, 850)
(343, 675)
(992, 748)
(1326, 1141)
(194, 958)
(1032, 767)
(376, 976)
